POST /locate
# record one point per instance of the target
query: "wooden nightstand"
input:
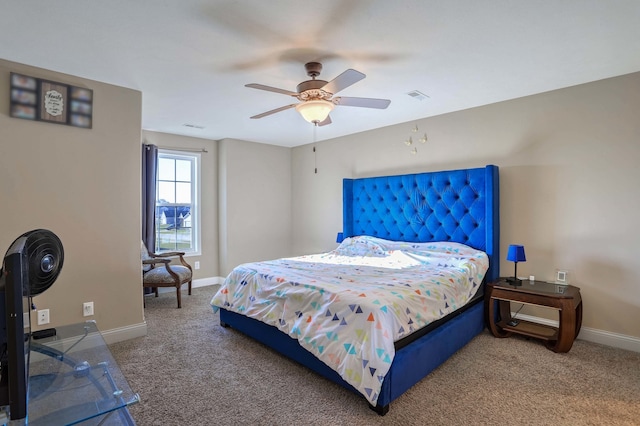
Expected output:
(565, 298)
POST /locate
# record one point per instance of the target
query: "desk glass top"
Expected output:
(73, 378)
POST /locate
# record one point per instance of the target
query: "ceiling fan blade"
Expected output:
(271, 89)
(343, 81)
(273, 111)
(325, 121)
(362, 102)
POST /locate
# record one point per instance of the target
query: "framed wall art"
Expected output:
(54, 102)
(81, 107)
(24, 96)
(43, 100)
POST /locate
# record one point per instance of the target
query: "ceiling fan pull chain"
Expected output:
(315, 158)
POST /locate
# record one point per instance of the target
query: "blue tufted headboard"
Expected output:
(456, 205)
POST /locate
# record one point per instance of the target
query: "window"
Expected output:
(177, 202)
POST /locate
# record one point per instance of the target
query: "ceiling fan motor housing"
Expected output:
(312, 89)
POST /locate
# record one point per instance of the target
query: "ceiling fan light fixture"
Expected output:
(315, 111)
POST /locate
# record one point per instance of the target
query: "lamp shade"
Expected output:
(339, 237)
(315, 111)
(516, 253)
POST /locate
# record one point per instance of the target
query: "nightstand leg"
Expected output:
(567, 327)
(578, 317)
(504, 309)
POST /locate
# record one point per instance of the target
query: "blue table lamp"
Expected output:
(515, 254)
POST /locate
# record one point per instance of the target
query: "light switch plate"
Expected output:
(562, 277)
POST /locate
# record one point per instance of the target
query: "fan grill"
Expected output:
(45, 257)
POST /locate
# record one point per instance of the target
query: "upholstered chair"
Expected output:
(157, 271)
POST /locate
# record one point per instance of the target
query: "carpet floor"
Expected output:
(189, 370)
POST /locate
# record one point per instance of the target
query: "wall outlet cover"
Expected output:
(43, 317)
(87, 309)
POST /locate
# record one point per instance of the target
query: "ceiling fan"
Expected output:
(317, 96)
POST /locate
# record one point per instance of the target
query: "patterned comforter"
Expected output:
(348, 306)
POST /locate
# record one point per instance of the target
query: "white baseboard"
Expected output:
(602, 337)
(96, 339)
(124, 333)
(203, 282)
(200, 282)
(138, 330)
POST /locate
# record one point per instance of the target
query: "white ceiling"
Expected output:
(192, 58)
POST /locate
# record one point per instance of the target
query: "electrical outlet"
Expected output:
(196, 264)
(87, 309)
(43, 316)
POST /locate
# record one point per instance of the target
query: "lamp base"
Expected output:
(514, 281)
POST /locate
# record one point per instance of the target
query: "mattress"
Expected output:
(350, 306)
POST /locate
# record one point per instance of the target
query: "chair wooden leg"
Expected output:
(189, 288)
(156, 289)
(179, 297)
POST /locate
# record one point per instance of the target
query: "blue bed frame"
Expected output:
(456, 205)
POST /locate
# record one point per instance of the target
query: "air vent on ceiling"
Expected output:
(193, 126)
(416, 94)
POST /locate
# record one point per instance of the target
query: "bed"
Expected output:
(449, 211)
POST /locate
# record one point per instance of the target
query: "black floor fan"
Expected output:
(30, 266)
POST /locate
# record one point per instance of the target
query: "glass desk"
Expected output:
(73, 379)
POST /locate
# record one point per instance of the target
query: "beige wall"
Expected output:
(568, 178)
(84, 185)
(208, 196)
(255, 202)
(568, 181)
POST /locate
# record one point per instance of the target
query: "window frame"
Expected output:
(195, 211)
